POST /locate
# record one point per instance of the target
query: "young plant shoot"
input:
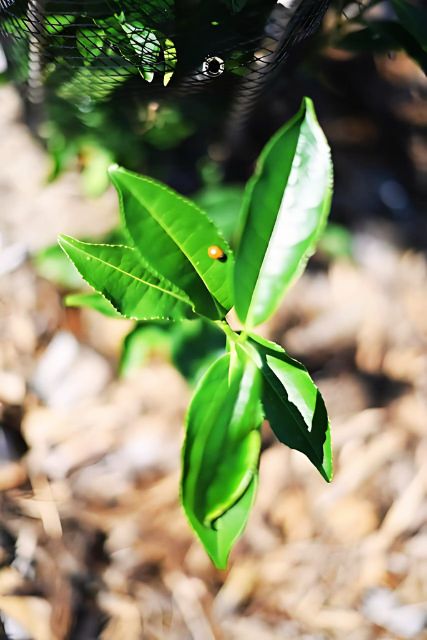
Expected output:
(176, 266)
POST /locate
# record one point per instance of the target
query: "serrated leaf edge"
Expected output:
(64, 238)
(116, 168)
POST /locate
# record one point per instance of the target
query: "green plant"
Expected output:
(169, 272)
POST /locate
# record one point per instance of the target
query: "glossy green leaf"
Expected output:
(173, 235)
(219, 540)
(93, 301)
(222, 203)
(130, 285)
(222, 443)
(145, 45)
(285, 210)
(293, 405)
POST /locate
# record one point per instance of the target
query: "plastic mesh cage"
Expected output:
(93, 48)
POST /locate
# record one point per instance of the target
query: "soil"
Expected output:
(93, 543)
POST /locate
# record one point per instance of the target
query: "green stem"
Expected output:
(225, 327)
(238, 341)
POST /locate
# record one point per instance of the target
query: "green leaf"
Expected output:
(222, 203)
(173, 235)
(145, 45)
(144, 342)
(56, 23)
(129, 284)
(14, 25)
(286, 206)
(90, 43)
(218, 541)
(92, 301)
(222, 442)
(169, 54)
(98, 83)
(293, 405)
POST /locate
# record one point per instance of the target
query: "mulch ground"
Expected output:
(93, 543)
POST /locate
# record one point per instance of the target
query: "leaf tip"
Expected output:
(308, 103)
(327, 475)
(219, 563)
(63, 239)
(113, 169)
(327, 469)
(309, 108)
(69, 300)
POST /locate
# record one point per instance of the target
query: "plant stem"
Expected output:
(225, 327)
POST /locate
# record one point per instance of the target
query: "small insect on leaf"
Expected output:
(216, 253)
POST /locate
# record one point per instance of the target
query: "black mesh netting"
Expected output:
(91, 49)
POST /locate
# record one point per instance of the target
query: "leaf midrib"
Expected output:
(178, 244)
(298, 152)
(244, 480)
(266, 252)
